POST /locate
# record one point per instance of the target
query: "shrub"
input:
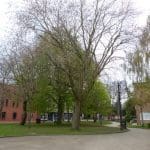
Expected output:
(148, 125)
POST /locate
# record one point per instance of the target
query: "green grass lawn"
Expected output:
(51, 129)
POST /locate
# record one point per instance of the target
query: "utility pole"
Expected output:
(119, 105)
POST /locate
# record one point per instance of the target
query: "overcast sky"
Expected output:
(142, 6)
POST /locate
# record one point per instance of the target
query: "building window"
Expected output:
(13, 104)
(14, 116)
(3, 115)
(6, 102)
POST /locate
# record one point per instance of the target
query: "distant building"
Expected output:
(12, 112)
(143, 112)
(12, 109)
(53, 116)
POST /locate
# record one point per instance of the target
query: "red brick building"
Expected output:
(12, 110)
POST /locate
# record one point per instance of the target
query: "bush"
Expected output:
(148, 125)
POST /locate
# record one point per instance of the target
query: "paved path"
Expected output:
(113, 124)
(136, 139)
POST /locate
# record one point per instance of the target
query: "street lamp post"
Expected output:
(119, 106)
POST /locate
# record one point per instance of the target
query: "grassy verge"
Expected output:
(139, 126)
(51, 129)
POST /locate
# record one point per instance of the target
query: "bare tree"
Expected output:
(23, 69)
(137, 63)
(5, 78)
(85, 36)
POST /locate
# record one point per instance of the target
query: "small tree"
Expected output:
(130, 109)
(5, 78)
(55, 77)
(98, 101)
(23, 68)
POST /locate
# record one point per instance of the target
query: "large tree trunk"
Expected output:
(76, 115)
(68, 115)
(1, 107)
(60, 111)
(142, 121)
(2, 99)
(24, 114)
(94, 117)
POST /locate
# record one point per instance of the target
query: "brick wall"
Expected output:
(12, 112)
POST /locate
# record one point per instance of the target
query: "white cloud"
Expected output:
(143, 7)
